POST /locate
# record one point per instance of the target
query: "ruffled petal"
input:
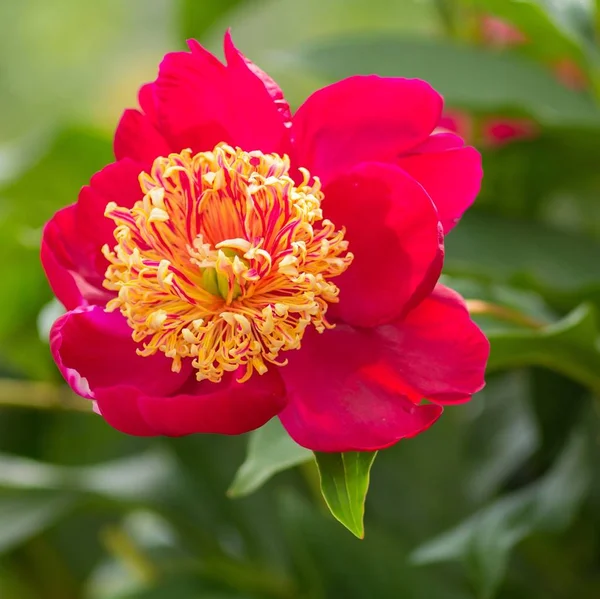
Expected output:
(363, 118)
(201, 102)
(393, 231)
(437, 350)
(94, 350)
(342, 398)
(65, 283)
(72, 240)
(245, 69)
(451, 177)
(137, 138)
(226, 408)
(148, 101)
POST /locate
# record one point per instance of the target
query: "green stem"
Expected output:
(503, 313)
(40, 396)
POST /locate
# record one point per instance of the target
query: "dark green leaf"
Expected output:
(344, 484)
(24, 515)
(483, 542)
(561, 266)
(569, 346)
(270, 450)
(503, 434)
(64, 164)
(135, 478)
(469, 77)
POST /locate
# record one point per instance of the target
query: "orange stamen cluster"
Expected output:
(225, 261)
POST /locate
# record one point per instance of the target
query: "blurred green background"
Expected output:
(501, 498)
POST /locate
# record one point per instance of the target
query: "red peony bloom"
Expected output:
(238, 262)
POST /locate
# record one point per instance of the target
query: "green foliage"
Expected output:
(503, 81)
(270, 450)
(344, 484)
(484, 541)
(499, 499)
(25, 515)
(569, 346)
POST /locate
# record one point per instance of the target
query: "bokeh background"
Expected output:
(501, 498)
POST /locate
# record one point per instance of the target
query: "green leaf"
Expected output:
(137, 478)
(570, 346)
(503, 434)
(344, 484)
(28, 201)
(562, 267)
(24, 515)
(270, 450)
(483, 542)
(466, 76)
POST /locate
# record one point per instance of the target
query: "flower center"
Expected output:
(225, 260)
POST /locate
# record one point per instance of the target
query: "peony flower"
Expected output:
(238, 262)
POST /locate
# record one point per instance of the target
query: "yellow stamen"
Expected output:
(225, 261)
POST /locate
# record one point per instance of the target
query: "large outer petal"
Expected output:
(197, 102)
(94, 350)
(227, 408)
(72, 240)
(66, 283)
(342, 396)
(452, 175)
(363, 118)
(246, 71)
(141, 395)
(393, 230)
(437, 350)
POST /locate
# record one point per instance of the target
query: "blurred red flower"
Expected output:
(500, 130)
(194, 264)
(494, 131)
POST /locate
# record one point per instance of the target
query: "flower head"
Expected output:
(225, 260)
(237, 262)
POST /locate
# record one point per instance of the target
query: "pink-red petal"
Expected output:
(72, 240)
(66, 284)
(246, 70)
(137, 138)
(341, 397)
(94, 350)
(437, 350)
(363, 118)
(226, 408)
(438, 142)
(201, 102)
(119, 406)
(393, 231)
(451, 177)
